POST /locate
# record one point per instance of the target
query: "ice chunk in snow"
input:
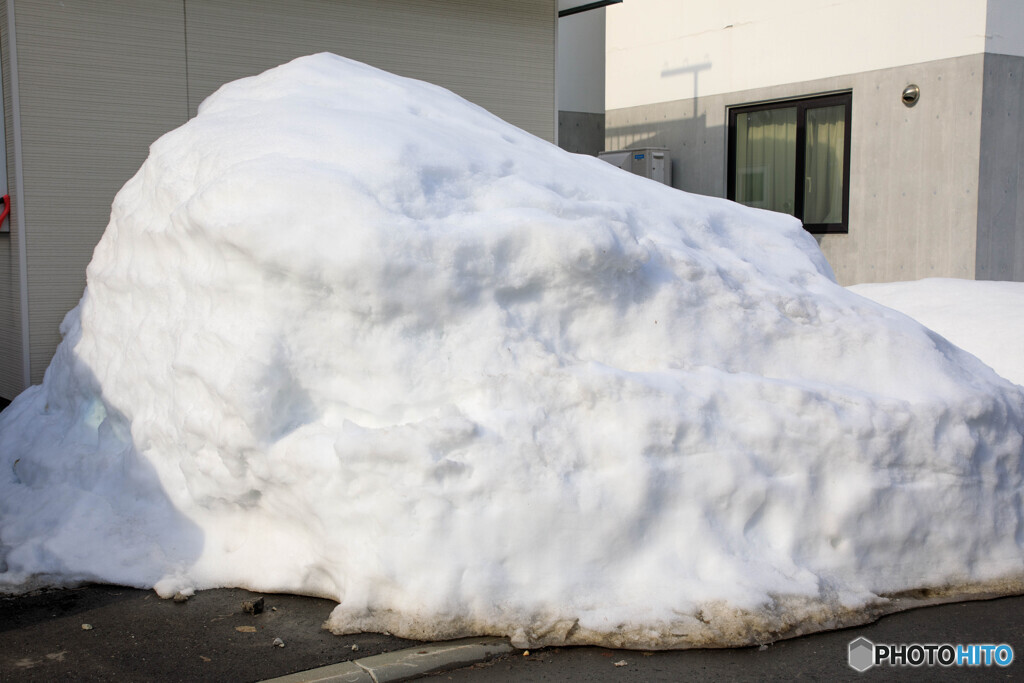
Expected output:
(349, 335)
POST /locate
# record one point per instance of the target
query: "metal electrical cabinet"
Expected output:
(649, 162)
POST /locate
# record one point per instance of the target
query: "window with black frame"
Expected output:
(793, 156)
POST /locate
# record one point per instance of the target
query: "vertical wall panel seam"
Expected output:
(19, 203)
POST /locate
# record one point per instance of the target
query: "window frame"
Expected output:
(802, 104)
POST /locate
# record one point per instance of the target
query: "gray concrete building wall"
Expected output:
(1000, 252)
(913, 172)
(581, 132)
(580, 69)
(694, 131)
(99, 81)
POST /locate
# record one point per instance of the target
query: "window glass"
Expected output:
(793, 156)
(766, 159)
(823, 165)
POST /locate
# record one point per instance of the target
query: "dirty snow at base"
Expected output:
(349, 335)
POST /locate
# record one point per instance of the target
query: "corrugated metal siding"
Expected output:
(10, 318)
(99, 81)
(495, 53)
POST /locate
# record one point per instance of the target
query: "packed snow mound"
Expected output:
(983, 317)
(349, 335)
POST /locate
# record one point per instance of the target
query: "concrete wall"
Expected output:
(581, 132)
(914, 172)
(667, 50)
(99, 80)
(579, 68)
(1004, 28)
(694, 130)
(1000, 252)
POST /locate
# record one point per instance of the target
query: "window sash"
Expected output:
(810, 141)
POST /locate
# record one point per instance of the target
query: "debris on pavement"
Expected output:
(253, 607)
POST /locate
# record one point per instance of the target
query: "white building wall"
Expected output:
(579, 73)
(665, 50)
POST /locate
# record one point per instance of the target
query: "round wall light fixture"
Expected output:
(911, 94)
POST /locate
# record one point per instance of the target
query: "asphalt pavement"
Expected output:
(818, 657)
(106, 633)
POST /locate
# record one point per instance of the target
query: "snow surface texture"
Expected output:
(349, 335)
(985, 318)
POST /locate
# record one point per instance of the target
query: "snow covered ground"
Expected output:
(984, 318)
(349, 335)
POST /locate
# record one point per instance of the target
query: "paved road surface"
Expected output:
(820, 657)
(135, 636)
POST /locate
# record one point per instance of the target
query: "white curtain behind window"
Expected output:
(766, 159)
(823, 182)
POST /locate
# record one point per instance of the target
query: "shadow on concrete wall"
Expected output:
(581, 132)
(694, 69)
(693, 130)
(698, 150)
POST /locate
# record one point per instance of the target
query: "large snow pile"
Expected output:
(349, 335)
(985, 318)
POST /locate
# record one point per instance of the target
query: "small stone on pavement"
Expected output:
(253, 606)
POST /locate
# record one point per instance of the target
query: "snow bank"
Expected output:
(349, 335)
(984, 318)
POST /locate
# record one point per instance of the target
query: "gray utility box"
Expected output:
(650, 162)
